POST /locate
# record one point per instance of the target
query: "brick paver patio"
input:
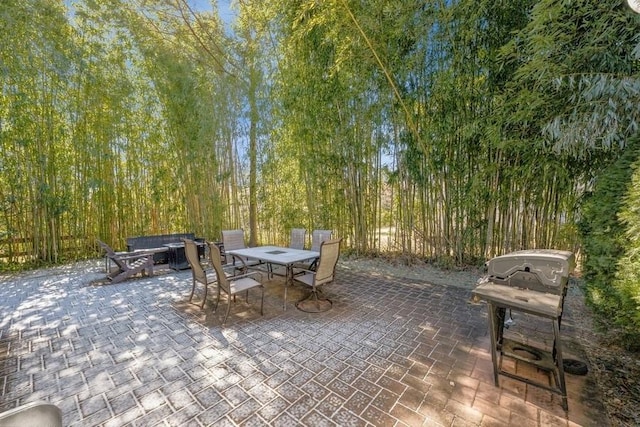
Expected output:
(391, 352)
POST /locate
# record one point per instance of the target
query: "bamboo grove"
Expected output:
(448, 130)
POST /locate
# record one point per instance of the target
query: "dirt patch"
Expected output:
(414, 269)
(617, 371)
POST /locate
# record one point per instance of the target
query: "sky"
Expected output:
(226, 12)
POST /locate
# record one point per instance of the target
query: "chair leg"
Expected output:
(313, 303)
(193, 288)
(228, 310)
(215, 308)
(262, 301)
(204, 299)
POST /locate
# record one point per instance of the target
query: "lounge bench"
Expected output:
(157, 241)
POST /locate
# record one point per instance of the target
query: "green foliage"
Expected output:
(463, 129)
(609, 227)
(575, 86)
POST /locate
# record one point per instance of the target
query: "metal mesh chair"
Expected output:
(323, 274)
(234, 239)
(298, 236)
(234, 284)
(198, 273)
(317, 237)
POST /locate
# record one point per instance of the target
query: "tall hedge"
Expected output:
(611, 241)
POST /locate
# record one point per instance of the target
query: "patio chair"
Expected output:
(298, 236)
(128, 263)
(296, 241)
(34, 414)
(317, 237)
(198, 273)
(234, 239)
(235, 284)
(323, 274)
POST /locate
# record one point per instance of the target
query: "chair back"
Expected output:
(319, 236)
(233, 239)
(106, 248)
(111, 254)
(191, 252)
(298, 236)
(329, 253)
(216, 261)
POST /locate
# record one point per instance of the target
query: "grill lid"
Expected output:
(545, 270)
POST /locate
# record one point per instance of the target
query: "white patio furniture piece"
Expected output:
(277, 255)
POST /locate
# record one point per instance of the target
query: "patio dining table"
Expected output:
(286, 257)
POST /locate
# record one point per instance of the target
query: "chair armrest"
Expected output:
(251, 273)
(241, 264)
(246, 262)
(230, 270)
(234, 258)
(228, 266)
(130, 255)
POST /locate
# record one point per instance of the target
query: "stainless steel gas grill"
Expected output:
(532, 282)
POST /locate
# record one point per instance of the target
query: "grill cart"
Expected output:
(532, 282)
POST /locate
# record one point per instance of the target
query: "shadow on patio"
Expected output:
(391, 352)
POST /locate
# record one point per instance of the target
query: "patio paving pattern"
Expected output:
(391, 352)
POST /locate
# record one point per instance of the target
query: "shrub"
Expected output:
(609, 228)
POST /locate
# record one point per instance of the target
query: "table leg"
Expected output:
(287, 279)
